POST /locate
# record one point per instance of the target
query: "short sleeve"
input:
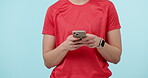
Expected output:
(112, 19)
(48, 27)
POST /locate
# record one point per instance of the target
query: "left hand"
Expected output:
(91, 40)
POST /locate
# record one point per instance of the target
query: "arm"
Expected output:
(113, 49)
(53, 56)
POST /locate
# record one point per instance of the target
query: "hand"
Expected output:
(91, 40)
(71, 44)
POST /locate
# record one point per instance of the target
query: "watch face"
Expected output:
(102, 44)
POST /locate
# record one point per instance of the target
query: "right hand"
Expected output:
(71, 44)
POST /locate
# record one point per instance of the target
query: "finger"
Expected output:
(74, 39)
(90, 35)
(85, 44)
(90, 42)
(77, 42)
(88, 45)
(91, 45)
(87, 38)
(77, 46)
(70, 43)
(71, 38)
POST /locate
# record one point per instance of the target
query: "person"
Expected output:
(89, 58)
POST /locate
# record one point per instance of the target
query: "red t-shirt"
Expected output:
(95, 17)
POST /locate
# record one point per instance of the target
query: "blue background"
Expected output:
(21, 24)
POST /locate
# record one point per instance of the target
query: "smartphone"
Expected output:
(79, 34)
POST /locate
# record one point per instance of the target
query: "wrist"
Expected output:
(101, 43)
(63, 47)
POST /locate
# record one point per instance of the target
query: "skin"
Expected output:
(111, 51)
(79, 2)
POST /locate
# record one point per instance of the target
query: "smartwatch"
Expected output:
(101, 44)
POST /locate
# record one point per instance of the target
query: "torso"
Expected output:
(84, 62)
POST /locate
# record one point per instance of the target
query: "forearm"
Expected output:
(110, 53)
(55, 56)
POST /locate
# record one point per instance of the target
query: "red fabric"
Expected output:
(95, 17)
